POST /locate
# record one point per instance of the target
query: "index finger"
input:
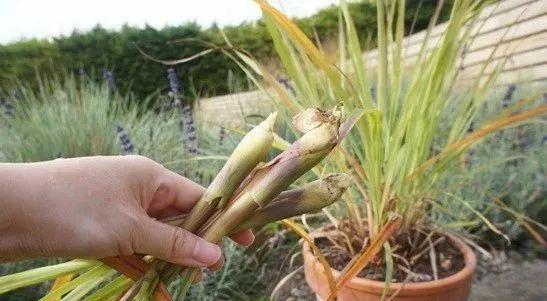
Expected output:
(174, 195)
(187, 192)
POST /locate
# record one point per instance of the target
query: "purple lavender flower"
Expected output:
(186, 109)
(287, 84)
(508, 95)
(125, 141)
(221, 135)
(174, 85)
(6, 107)
(189, 130)
(109, 78)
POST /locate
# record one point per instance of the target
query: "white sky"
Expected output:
(22, 19)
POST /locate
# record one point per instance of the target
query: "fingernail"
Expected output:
(252, 240)
(206, 252)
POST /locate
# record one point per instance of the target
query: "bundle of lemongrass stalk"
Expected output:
(245, 194)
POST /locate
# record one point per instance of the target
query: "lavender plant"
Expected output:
(187, 124)
(504, 180)
(79, 119)
(6, 107)
(506, 100)
(174, 86)
(221, 136)
(108, 76)
(188, 128)
(127, 147)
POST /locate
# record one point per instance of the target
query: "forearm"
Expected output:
(20, 187)
(52, 208)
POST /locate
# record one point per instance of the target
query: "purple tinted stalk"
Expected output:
(321, 136)
(309, 198)
(250, 151)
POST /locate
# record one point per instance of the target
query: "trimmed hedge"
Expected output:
(92, 51)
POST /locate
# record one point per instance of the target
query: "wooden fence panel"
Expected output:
(511, 30)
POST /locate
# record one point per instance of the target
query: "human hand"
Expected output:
(94, 207)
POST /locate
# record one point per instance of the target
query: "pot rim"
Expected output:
(413, 288)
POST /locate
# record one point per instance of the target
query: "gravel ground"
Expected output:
(520, 282)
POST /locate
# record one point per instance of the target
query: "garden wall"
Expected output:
(518, 28)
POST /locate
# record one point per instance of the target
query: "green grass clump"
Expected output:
(503, 178)
(72, 118)
(75, 117)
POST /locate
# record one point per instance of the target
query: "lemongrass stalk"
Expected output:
(38, 275)
(80, 291)
(321, 135)
(132, 292)
(312, 197)
(186, 282)
(150, 279)
(322, 132)
(94, 273)
(309, 198)
(249, 152)
(111, 290)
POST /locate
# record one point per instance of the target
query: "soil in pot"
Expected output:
(412, 255)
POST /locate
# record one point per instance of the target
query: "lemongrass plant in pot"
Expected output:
(402, 148)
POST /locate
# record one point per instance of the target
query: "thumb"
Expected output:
(175, 245)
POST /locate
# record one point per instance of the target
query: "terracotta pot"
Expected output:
(453, 288)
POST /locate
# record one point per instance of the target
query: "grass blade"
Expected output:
(34, 276)
(302, 233)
